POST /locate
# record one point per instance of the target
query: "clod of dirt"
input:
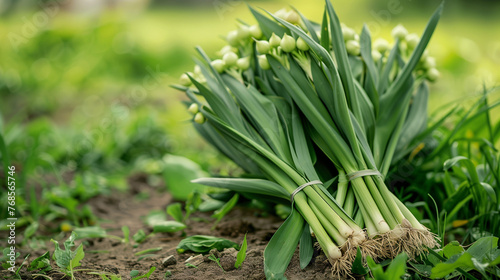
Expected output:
(228, 258)
(195, 260)
(234, 228)
(214, 252)
(254, 253)
(170, 260)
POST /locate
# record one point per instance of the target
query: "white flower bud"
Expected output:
(232, 38)
(226, 49)
(255, 31)
(184, 80)
(197, 70)
(433, 74)
(263, 63)
(243, 32)
(287, 43)
(274, 41)
(281, 14)
(353, 47)
(263, 47)
(412, 40)
(193, 109)
(302, 45)
(348, 33)
(381, 45)
(243, 63)
(292, 17)
(399, 32)
(218, 65)
(376, 55)
(199, 118)
(429, 62)
(230, 58)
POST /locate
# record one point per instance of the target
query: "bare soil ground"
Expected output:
(124, 209)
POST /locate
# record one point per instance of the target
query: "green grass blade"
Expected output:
(405, 74)
(263, 114)
(303, 158)
(226, 147)
(416, 120)
(325, 37)
(280, 249)
(5, 155)
(267, 25)
(223, 107)
(257, 186)
(417, 140)
(242, 253)
(342, 58)
(247, 142)
(315, 112)
(372, 72)
(309, 25)
(384, 80)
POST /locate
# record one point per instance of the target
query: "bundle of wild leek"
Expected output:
(297, 104)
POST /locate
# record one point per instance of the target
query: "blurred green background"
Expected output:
(82, 79)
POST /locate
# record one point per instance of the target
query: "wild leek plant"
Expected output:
(318, 115)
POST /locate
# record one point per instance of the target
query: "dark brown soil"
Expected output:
(124, 209)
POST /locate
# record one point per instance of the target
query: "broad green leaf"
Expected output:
(175, 211)
(423, 269)
(204, 243)
(280, 249)
(30, 230)
(306, 249)
(178, 173)
(485, 249)
(76, 257)
(451, 249)
(154, 217)
(220, 213)
(397, 268)
(139, 236)
(210, 205)
(242, 253)
(90, 232)
(376, 269)
(64, 257)
(457, 261)
(357, 266)
(168, 226)
(192, 203)
(41, 263)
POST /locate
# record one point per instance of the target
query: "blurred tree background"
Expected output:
(95, 67)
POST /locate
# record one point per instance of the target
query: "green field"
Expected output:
(86, 101)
